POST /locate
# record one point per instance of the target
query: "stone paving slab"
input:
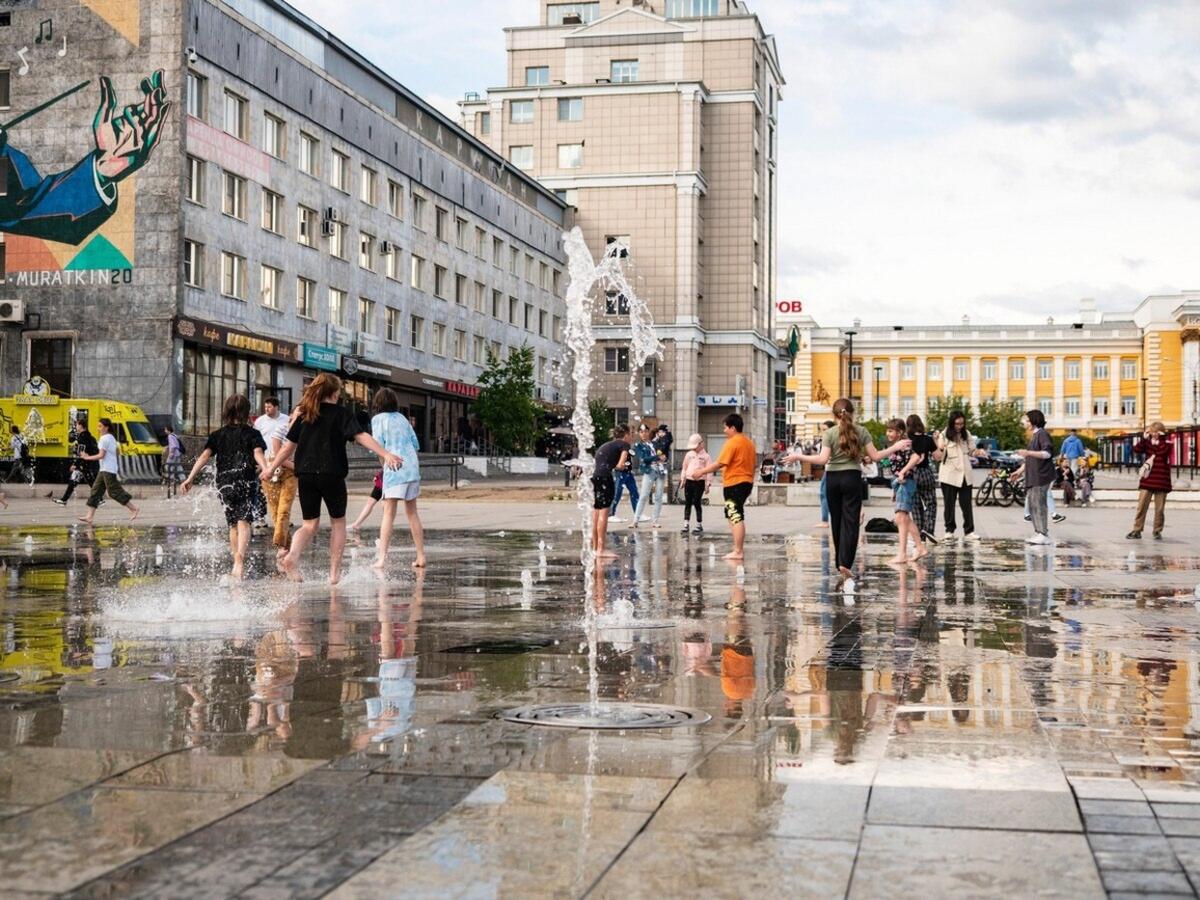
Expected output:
(1012, 810)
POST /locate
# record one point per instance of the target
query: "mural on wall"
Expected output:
(76, 226)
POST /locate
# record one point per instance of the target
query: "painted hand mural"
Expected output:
(70, 205)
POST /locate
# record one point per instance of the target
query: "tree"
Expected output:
(937, 415)
(506, 404)
(1001, 421)
(603, 420)
(878, 432)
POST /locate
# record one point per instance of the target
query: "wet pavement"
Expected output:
(1000, 721)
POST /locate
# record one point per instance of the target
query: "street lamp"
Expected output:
(878, 379)
(850, 365)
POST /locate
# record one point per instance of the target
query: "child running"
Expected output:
(240, 452)
(904, 493)
(392, 429)
(695, 486)
(317, 438)
(610, 457)
(108, 480)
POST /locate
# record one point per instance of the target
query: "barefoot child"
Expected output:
(737, 460)
(240, 452)
(369, 505)
(394, 432)
(904, 493)
(611, 457)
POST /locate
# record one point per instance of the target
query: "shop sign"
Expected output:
(718, 400)
(788, 310)
(462, 389)
(339, 338)
(318, 357)
(219, 336)
(353, 366)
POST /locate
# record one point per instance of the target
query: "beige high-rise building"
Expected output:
(656, 119)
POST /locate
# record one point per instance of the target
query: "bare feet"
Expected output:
(419, 562)
(898, 560)
(845, 573)
(290, 567)
(334, 578)
(86, 520)
(239, 568)
(919, 554)
(821, 525)
(133, 512)
(734, 555)
(378, 564)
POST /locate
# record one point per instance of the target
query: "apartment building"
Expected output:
(657, 120)
(300, 212)
(1099, 373)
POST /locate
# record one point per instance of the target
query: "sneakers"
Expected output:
(848, 586)
(1032, 539)
(685, 529)
(1134, 535)
(1058, 517)
(699, 529)
(615, 519)
(60, 502)
(1158, 536)
(1028, 518)
(971, 538)
(1041, 539)
(928, 538)
(951, 535)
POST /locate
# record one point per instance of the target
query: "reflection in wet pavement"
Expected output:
(999, 722)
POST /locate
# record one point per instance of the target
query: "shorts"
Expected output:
(239, 496)
(314, 490)
(904, 495)
(377, 493)
(603, 489)
(736, 496)
(405, 490)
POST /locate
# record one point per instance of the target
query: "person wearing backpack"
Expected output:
(19, 467)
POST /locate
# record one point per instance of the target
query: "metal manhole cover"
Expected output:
(616, 716)
(9, 677)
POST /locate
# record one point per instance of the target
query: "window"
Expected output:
(273, 135)
(622, 242)
(272, 211)
(310, 154)
(934, 372)
(521, 156)
(481, 298)
(855, 368)
(235, 115)
(1072, 370)
(1128, 369)
(366, 186)
(497, 305)
(462, 233)
(485, 123)
(1019, 401)
(528, 320)
(366, 250)
(306, 298)
(960, 370)
(623, 70)
(1100, 406)
(1100, 368)
(569, 196)
(233, 275)
(233, 196)
(1046, 405)
(460, 290)
(543, 321)
(616, 359)
(520, 112)
(556, 328)
(617, 304)
(337, 307)
(419, 211)
(391, 262)
(1045, 369)
(193, 264)
(437, 342)
(366, 315)
(497, 251)
(197, 94)
(907, 371)
(268, 286)
(572, 13)
(544, 277)
(439, 223)
(989, 370)
(479, 351)
(391, 331)
(195, 180)
(395, 199)
(535, 75)
(1128, 406)
(514, 309)
(513, 256)
(337, 240)
(684, 9)
(416, 332)
(570, 109)
(908, 406)
(529, 268)
(1073, 406)
(460, 345)
(440, 281)
(1016, 369)
(339, 171)
(306, 226)
(570, 156)
(416, 273)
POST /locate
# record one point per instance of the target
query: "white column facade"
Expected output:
(894, 389)
(1085, 374)
(1030, 382)
(1002, 378)
(1114, 380)
(976, 391)
(922, 367)
(869, 388)
(1060, 401)
(1191, 377)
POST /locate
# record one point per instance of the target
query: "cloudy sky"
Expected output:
(1002, 158)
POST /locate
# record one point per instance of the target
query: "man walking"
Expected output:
(1073, 450)
(172, 462)
(737, 480)
(108, 455)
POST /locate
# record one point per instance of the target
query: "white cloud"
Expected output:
(1003, 157)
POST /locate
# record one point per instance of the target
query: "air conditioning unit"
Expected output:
(332, 214)
(327, 227)
(12, 311)
(386, 247)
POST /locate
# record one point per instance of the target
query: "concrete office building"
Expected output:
(292, 210)
(656, 119)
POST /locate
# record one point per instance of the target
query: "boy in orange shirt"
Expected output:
(738, 460)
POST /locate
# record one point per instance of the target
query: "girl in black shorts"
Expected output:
(317, 438)
(239, 450)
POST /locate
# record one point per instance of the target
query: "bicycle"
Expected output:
(998, 489)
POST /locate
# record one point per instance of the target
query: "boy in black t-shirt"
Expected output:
(609, 458)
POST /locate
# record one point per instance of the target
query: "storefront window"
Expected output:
(210, 376)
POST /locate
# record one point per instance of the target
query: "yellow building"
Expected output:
(1098, 373)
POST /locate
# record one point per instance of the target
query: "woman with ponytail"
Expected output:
(317, 438)
(844, 449)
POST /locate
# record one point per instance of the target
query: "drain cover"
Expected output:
(606, 715)
(9, 677)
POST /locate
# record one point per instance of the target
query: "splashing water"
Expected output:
(585, 276)
(526, 589)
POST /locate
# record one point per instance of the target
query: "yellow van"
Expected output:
(47, 424)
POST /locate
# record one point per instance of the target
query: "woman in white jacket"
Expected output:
(956, 446)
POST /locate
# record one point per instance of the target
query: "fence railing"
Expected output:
(1116, 450)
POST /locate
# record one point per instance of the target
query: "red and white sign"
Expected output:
(788, 310)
